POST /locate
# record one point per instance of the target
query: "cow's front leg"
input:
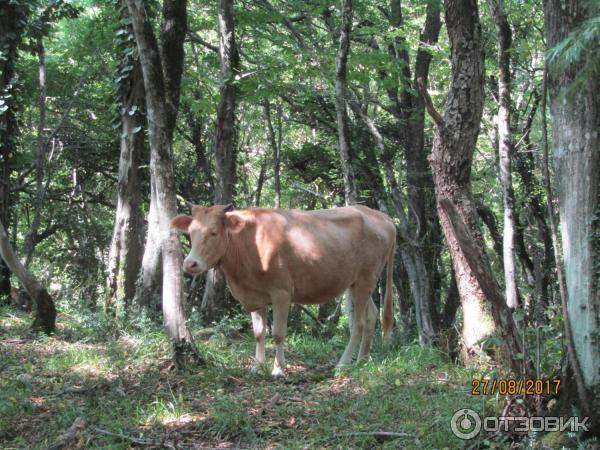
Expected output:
(281, 307)
(259, 326)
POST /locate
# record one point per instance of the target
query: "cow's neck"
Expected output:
(232, 263)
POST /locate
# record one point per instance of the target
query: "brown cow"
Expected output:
(280, 257)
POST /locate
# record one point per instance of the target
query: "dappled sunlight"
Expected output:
(127, 386)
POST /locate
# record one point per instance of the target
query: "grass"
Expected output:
(125, 385)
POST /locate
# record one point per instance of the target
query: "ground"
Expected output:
(124, 386)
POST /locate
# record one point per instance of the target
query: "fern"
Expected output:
(580, 47)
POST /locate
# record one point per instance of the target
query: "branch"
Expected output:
(311, 315)
(69, 435)
(198, 40)
(137, 441)
(377, 434)
(310, 191)
(436, 116)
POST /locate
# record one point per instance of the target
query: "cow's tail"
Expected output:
(388, 305)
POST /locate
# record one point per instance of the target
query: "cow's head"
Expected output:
(209, 229)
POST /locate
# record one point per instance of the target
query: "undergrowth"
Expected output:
(122, 382)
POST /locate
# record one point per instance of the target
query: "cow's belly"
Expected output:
(322, 288)
(250, 298)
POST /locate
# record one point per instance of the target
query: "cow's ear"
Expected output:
(181, 223)
(234, 223)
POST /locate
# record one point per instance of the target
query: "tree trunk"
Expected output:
(451, 161)
(538, 271)
(148, 291)
(421, 234)
(13, 18)
(45, 312)
(213, 300)
(275, 148)
(125, 255)
(575, 109)
(505, 150)
(31, 238)
(162, 77)
(341, 87)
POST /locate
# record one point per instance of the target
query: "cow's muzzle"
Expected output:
(194, 266)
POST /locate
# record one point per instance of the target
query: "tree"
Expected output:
(341, 88)
(421, 233)
(124, 259)
(575, 109)
(451, 161)
(45, 312)
(505, 150)
(162, 71)
(13, 19)
(225, 154)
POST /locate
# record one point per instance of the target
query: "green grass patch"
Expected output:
(121, 381)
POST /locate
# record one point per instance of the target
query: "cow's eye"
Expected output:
(213, 233)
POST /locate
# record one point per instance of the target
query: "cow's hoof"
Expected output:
(278, 373)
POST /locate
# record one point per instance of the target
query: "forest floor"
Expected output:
(125, 389)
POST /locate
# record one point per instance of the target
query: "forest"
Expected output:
(437, 160)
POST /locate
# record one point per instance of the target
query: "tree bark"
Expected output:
(125, 254)
(505, 150)
(575, 110)
(225, 150)
(275, 148)
(13, 18)
(341, 87)
(451, 161)
(421, 234)
(45, 312)
(161, 81)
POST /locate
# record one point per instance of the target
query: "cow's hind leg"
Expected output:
(259, 326)
(359, 298)
(281, 307)
(369, 330)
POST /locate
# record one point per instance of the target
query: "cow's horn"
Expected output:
(229, 207)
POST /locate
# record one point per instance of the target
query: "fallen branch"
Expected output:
(383, 435)
(137, 441)
(69, 435)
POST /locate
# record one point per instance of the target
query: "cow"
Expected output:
(285, 256)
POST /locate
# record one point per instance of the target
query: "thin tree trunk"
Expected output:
(125, 254)
(575, 109)
(31, 238)
(505, 150)
(538, 271)
(421, 234)
(45, 312)
(451, 161)
(213, 300)
(344, 150)
(341, 87)
(162, 78)
(275, 148)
